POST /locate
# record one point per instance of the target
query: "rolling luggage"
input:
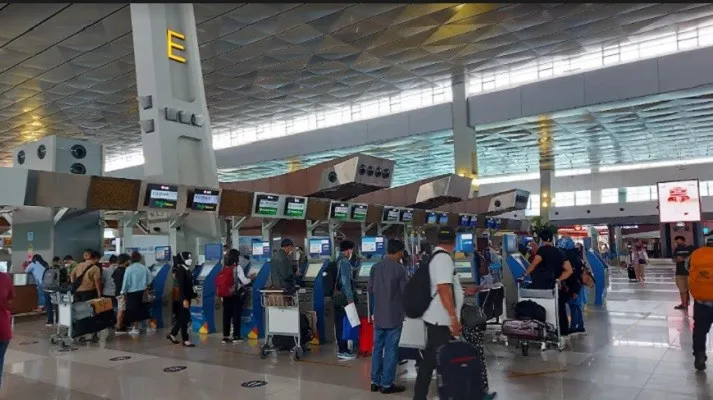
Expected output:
(366, 336)
(460, 372)
(528, 329)
(631, 272)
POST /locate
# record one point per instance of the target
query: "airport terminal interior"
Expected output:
(169, 135)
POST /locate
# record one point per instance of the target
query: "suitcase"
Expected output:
(81, 310)
(631, 272)
(525, 329)
(366, 336)
(460, 372)
(101, 305)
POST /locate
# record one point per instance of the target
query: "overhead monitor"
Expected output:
(213, 251)
(443, 219)
(464, 220)
(358, 212)
(295, 207)
(339, 211)
(431, 218)
(372, 245)
(162, 254)
(204, 200)
(161, 196)
(320, 247)
(679, 201)
(391, 215)
(266, 205)
(406, 216)
(313, 271)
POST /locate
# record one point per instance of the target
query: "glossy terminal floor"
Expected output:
(638, 347)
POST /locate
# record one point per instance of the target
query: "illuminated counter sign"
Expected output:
(339, 211)
(172, 37)
(161, 196)
(391, 215)
(205, 200)
(406, 216)
(358, 212)
(266, 205)
(295, 207)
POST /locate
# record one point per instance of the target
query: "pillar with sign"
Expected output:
(175, 126)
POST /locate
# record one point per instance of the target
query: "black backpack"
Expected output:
(330, 279)
(528, 309)
(417, 297)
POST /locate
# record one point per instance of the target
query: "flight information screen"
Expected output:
(161, 196)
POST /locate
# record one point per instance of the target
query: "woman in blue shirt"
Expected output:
(137, 279)
(37, 268)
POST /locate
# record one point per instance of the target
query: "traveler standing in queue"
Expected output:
(69, 263)
(233, 300)
(343, 295)
(118, 277)
(700, 269)
(680, 255)
(51, 309)
(573, 284)
(108, 285)
(86, 278)
(7, 294)
(282, 275)
(639, 259)
(387, 283)
(184, 284)
(442, 318)
(37, 269)
(137, 279)
(549, 263)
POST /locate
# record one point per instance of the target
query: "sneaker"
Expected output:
(375, 387)
(700, 362)
(227, 340)
(238, 340)
(134, 332)
(346, 356)
(393, 389)
(48, 325)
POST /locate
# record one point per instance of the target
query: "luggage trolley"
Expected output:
(65, 317)
(548, 299)
(78, 318)
(282, 317)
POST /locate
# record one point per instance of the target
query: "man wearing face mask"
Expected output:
(282, 276)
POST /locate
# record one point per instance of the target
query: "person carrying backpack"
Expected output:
(231, 289)
(51, 281)
(700, 283)
(108, 284)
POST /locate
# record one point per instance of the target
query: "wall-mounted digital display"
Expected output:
(372, 245)
(162, 254)
(339, 211)
(358, 212)
(679, 201)
(443, 219)
(213, 251)
(406, 216)
(295, 207)
(266, 205)
(391, 215)
(464, 242)
(161, 196)
(431, 218)
(320, 247)
(204, 200)
(261, 249)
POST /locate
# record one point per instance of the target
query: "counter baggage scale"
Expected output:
(206, 314)
(251, 324)
(313, 293)
(161, 309)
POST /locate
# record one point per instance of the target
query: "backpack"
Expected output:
(528, 309)
(225, 282)
(52, 279)
(700, 274)
(417, 296)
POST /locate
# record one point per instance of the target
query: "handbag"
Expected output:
(349, 332)
(473, 316)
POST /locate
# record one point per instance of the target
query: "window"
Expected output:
(639, 193)
(583, 198)
(564, 199)
(533, 205)
(610, 196)
(706, 188)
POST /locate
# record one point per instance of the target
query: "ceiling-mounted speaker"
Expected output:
(370, 171)
(41, 151)
(78, 151)
(78, 169)
(362, 169)
(332, 176)
(386, 173)
(377, 172)
(21, 157)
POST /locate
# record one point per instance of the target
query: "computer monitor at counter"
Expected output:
(365, 269)
(312, 271)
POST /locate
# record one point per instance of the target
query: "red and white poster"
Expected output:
(679, 201)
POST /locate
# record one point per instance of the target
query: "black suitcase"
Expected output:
(460, 372)
(631, 272)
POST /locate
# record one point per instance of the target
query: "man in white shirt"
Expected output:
(442, 318)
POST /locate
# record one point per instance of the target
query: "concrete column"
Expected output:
(546, 194)
(464, 146)
(547, 167)
(175, 126)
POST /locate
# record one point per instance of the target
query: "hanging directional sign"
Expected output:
(253, 384)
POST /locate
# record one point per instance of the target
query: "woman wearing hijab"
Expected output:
(185, 293)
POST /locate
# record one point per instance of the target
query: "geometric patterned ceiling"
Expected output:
(672, 126)
(68, 69)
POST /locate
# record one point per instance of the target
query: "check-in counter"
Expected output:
(25, 293)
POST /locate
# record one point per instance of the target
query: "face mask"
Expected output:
(189, 262)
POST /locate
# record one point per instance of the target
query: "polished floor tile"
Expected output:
(637, 347)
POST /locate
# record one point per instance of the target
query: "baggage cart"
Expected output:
(282, 318)
(76, 319)
(548, 299)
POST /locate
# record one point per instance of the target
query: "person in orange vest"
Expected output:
(700, 282)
